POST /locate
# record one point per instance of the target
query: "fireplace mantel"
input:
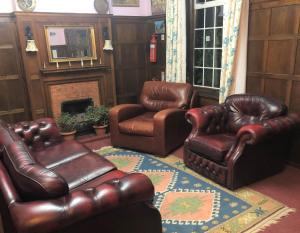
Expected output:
(75, 69)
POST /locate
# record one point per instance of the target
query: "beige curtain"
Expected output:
(234, 57)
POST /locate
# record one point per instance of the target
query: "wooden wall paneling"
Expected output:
(274, 54)
(14, 104)
(130, 42)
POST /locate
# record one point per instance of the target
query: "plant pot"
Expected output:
(68, 135)
(100, 129)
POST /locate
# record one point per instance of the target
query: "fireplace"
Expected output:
(77, 108)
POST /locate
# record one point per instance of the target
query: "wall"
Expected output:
(81, 6)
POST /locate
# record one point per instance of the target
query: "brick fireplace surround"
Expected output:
(73, 91)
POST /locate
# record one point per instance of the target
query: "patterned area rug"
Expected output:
(190, 203)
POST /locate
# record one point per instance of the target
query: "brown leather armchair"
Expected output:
(53, 186)
(157, 124)
(240, 141)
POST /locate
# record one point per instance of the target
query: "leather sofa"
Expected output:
(53, 186)
(241, 141)
(157, 124)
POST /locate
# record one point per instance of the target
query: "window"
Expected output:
(207, 51)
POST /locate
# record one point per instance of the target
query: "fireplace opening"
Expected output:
(77, 108)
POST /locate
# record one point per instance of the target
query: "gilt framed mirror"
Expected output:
(70, 43)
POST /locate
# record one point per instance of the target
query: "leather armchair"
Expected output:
(241, 141)
(53, 186)
(157, 124)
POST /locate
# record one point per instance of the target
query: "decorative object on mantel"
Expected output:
(57, 65)
(26, 5)
(70, 65)
(81, 62)
(31, 47)
(101, 6)
(91, 62)
(125, 3)
(44, 65)
(107, 42)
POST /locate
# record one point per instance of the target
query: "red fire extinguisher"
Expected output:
(153, 48)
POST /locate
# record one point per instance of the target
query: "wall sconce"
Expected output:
(107, 42)
(31, 46)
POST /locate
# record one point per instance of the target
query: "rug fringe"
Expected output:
(273, 219)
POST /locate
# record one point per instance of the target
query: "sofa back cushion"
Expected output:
(244, 109)
(157, 95)
(32, 180)
(7, 136)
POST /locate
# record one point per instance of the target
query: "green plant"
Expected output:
(66, 122)
(97, 115)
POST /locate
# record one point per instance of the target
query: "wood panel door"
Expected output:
(13, 92)
(129, 39)
(274, 53)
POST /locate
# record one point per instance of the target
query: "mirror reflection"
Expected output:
(70, 43)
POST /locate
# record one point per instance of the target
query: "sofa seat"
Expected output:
(140, 125)
(213, 147)
(83, 169)
(61, 153)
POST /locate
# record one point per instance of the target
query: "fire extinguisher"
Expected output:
(153, 48)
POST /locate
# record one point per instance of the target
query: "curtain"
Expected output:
(176, 41)
(234, 56)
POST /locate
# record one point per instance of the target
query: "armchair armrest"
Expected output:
(125, 111)
(208, 119)
(56, 214)
(39, 133)
(255, 133)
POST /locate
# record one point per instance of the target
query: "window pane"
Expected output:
(198, 57)
(208, 58)
(210, 16)
(200, 18)
(200, 1)
(218, 58)
(217, 78)
(208, 77)
(198, 74)
(199, 38)
(219, 16)
(219, 38)
(209, 38)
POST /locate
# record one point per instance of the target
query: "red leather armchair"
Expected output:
(157, 124)
(53, 186)
(241, 141)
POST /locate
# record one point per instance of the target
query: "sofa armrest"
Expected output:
(206, 120)
(125, 111)
(39, 133)
(56, 214)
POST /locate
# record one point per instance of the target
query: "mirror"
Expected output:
(70, 43)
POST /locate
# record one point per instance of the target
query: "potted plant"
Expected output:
(66, 123)
(98, 117)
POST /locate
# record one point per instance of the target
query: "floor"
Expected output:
(284, 187)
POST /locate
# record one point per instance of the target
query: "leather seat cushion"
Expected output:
(83, 169)
(140, 125)
(213, 147)
(60, 153)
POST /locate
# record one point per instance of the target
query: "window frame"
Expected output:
(210, 91)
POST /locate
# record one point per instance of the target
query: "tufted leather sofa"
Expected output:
(53, 186)
(157, 124)
(241, 141)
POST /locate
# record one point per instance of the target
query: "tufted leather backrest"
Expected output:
(38, 134)
(32, 180)
(244, 109)
(157, 95)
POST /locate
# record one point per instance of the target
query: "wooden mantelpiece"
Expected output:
(75, 69)
(40, 79)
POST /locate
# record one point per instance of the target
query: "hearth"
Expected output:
(77, 108)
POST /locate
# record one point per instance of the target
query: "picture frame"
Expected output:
(125, 3)
(158, 7)
(159, 27)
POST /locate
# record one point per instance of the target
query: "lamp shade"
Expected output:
(107, 45)
(31, 47)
